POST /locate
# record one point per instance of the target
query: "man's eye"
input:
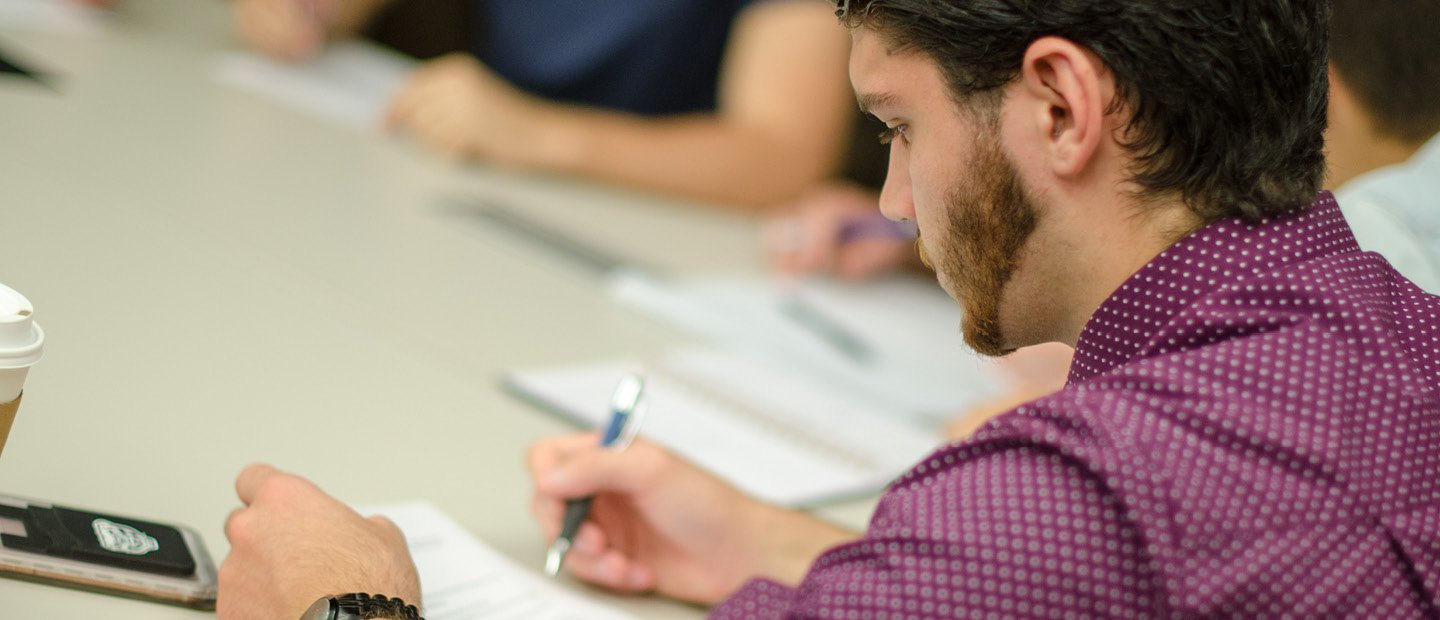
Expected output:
(889, 134)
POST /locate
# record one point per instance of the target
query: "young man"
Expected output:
(1251, 424)
(1384, 163)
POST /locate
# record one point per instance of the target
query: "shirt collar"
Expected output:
(1220, 254)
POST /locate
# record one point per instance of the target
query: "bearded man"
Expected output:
(1251, 424)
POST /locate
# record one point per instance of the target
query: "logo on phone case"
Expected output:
(121, 538)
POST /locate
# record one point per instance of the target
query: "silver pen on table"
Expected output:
(847, 343)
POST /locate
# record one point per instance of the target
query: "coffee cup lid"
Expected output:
(21, 339)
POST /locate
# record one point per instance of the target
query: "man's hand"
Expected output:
(811, 238)
(659, 523)
(460, 108)
(292, 544)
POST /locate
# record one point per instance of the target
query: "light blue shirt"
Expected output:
(1395, 211)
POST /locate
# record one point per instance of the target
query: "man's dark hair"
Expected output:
(1228, 97)
(1387, 53)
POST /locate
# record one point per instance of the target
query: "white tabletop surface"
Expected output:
(224, 279)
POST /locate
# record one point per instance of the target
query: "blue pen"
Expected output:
(627, 408)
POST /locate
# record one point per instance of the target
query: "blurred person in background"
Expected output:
(1383, 153)
(742, 102)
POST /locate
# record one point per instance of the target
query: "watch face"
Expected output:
(322, 609)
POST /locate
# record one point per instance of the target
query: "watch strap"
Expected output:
(361, 606)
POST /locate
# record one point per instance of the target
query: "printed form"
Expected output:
(461, 578)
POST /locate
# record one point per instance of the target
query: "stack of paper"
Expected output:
(900, 349)
(351, 82)
(775, 436)
(463, 579)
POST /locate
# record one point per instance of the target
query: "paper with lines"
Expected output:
(350, 83)
(461, 578)
(761, 426)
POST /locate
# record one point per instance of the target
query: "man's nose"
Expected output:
(897, 201)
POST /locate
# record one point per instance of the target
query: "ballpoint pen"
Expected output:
(627, 408)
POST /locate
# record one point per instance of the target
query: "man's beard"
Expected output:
(991, 217)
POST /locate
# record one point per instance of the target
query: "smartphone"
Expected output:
(105, 553)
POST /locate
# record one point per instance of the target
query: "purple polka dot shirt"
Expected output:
(1251, 429)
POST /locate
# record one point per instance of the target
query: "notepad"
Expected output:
(350, 82)
(916, 363)
(772, 433)
(51, 16)
(462, 578)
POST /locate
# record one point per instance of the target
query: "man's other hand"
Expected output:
(291, 544)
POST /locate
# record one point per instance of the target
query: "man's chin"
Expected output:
(985, 337)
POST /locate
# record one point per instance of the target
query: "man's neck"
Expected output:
(1126, 244)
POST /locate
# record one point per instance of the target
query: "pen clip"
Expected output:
(627, 408)
(632, 426)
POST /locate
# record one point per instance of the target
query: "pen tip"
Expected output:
(555, 556)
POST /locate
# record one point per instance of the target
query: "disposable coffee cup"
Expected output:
(21, 344)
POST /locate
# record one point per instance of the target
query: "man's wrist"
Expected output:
(795, 540)
(361, 606)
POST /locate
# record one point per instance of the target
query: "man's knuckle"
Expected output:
(237, 528)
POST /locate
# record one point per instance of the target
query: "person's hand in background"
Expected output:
(460, 108)
(296, 30)
(290, 30)
(836, 229)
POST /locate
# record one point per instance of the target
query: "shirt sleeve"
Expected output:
(975, 530)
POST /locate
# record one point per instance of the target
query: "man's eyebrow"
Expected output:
(870, 101)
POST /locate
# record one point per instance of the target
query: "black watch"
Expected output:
(360, 607)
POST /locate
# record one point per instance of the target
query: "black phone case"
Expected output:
(106, 553)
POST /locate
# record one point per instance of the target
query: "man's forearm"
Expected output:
(703, 156)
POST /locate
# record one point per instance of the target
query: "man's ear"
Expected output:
(1065, 89)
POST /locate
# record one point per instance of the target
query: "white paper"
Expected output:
(917, 364)
(50, 16)
(771, 433)
(461, 578)
(350, 83)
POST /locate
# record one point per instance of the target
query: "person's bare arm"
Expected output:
(781, 125)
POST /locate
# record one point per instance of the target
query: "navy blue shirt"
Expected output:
(648, 57)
